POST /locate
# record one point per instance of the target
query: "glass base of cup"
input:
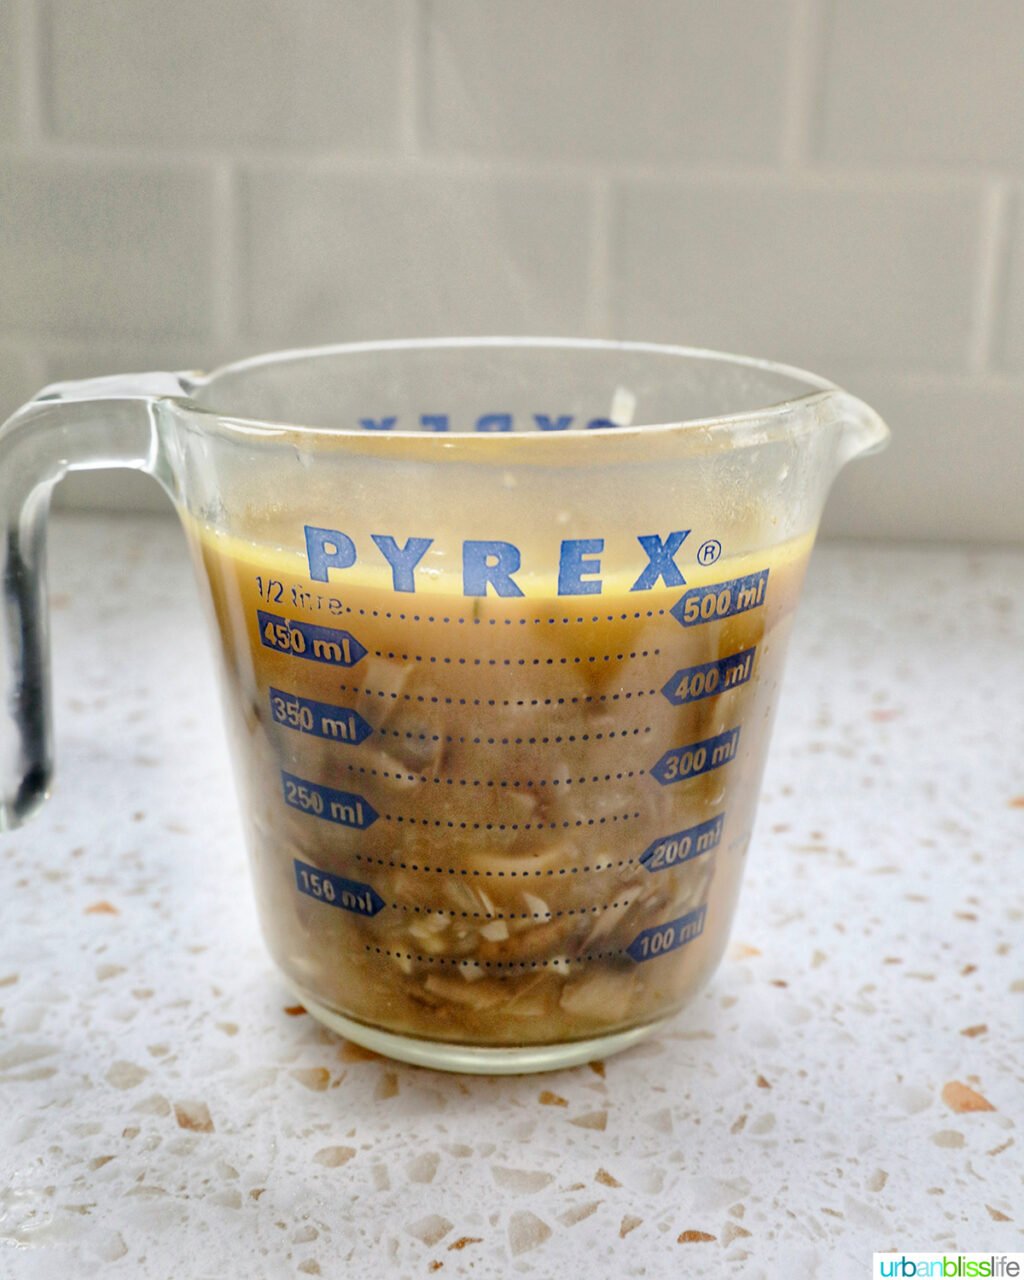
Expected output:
(473, 1059)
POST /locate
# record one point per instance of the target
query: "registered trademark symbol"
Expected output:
(709, 551)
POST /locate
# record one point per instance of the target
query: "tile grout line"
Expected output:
(990, 286)
(804, 83)
(224, 265)
(411, 60)
(599, 252)
(30, 50)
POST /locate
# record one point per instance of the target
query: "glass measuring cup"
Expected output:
(501, 627)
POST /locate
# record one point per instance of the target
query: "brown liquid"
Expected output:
(510, 766)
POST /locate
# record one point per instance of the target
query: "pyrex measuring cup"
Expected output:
(501, 627)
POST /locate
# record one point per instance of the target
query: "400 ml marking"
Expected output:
(681, 846)
(721, 599)
(342, 807)
(660, 939)
(305, 640)
(682, 763)
(322, 719)
(336, 891)
(709, 678)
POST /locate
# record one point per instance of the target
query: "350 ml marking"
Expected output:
(721, 599)
(660, 939)
(708, 678)
(681, 763)
(342, 807)
(336, 891)
(322, 719)
(681, 846)
(305, 640)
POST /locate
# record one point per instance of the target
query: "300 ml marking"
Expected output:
(343, 807)
(336, 891)
(709, 678)
(322, 719)
(721, 599)
(306, 640)
(681, 846)
(681, 763)
(660, 939)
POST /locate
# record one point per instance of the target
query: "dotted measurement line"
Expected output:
(509, 826)
(498, 702)
(495, 964)
(509, 915)
(514, 662)
(394, 865)
(391, 616)
(514, 742)
(491, 782)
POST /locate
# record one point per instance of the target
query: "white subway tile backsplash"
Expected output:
(104, 247)
(335, 256)
(807, 271)
(919, 82)
(663, 80)
(184, 73)
(1012, 345)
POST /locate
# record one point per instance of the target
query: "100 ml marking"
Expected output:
(306, 640)
(321, 719)
(663, 938)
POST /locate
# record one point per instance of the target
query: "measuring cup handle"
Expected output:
(104, 422)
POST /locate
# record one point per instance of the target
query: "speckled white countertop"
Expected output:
(162, 1114)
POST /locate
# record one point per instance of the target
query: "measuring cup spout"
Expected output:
(862, 430)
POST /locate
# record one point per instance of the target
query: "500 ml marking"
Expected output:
(721, 599)
(663, 938)
(343, 807)
(321, 719)
(709, 678)
(336, 891)
(305, 640)
(681, 846)
(699, 757)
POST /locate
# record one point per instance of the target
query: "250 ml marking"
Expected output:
(708, 678)
(306, 640)
(342, 807)
(660, 939)
(681, 846)
(322, 719)
(721, 599)
(336, 891)
(681, 763)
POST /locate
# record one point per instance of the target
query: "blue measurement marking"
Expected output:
(336, 891)
(660, 939)
(696, 758)
(342, 807)
(305, 640)
(721, 600)
(681, 846)
(709, 678)
(322, 719)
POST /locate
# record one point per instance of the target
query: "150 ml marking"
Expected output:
(699, 757)
(306, 640)
(708, 678)
(336, 891)
(721, 599)
(322, 719)
(681, 846)
(663, 938)
(342, 807)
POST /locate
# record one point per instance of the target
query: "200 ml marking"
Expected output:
(336, 891)
(660, 939)
(709, 678)
(343, 807)
(681, 846)
(721, 599)
(306, 640)
(681, 763)
(321, 719)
